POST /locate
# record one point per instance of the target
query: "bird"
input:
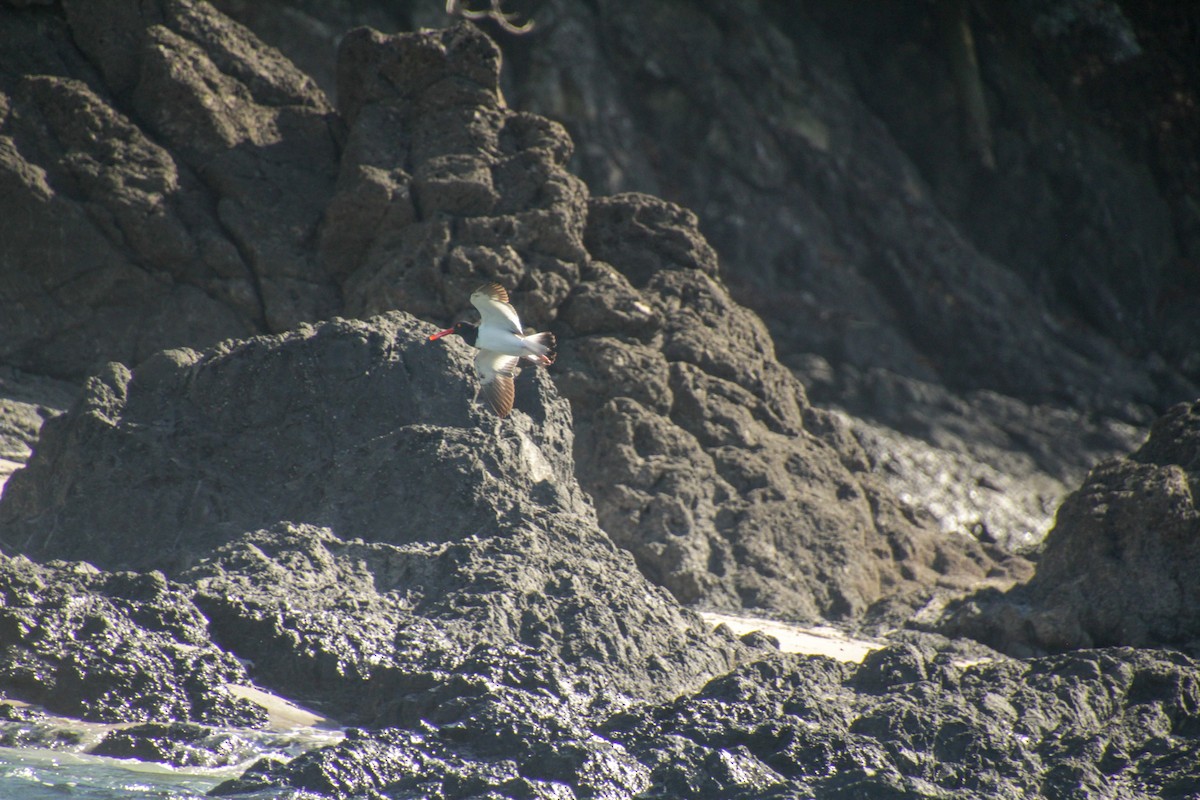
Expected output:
(502, 344)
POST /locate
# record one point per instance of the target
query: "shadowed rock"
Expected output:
(1122, 565)
(158, 162)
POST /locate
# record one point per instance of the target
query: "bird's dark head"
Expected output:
(464, 329)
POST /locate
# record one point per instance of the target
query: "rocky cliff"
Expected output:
(699, 449)
(218, 278)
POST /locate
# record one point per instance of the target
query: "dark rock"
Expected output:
(1122, 565)
(439, 186)
(981, 463)
(210, 445)
(801, 727)
(127, 188)
(648, 338)
(381, 634)
(328, 504)
(176, 743)
(851, 215)
(25, 403)
(112, 647)
(1077, 725)
(396, 763)
(404, 527)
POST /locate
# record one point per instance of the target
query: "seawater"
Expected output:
(35, 773)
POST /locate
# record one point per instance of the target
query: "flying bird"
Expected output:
(502, 344)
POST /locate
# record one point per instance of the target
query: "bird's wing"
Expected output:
(496, 372)
(492, 301)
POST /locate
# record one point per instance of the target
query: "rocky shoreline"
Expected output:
(242, 492)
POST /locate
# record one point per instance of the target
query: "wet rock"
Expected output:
(1122, 565)
(176, 743)
(27, 726)
(980, 463)
(923, 726)
(396, 763)
(112, 647)
(916, 720)
(382, 634)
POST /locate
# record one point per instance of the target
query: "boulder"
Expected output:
(1122, 564)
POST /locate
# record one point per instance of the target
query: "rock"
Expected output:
(431, 764)
(472, 192)
(915, 720)
(980, 463)
(176, 743)
(967, 307)
(1122, 564)
(127, 187)
(648, 337)
(112, 647)
(348, 519)
(227, 449)
(25, 402)
(1000, 729)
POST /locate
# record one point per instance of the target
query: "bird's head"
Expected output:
(464, 329)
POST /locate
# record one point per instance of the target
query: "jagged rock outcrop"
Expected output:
(896, 276)
(1122, 565)
(333, 518)
(692, 438)
(350, 521)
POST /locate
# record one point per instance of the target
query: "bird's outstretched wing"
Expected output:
(496, 372)
(492, 301)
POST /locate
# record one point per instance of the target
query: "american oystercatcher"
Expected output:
(502, 343)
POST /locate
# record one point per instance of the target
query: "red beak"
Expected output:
(440, 334)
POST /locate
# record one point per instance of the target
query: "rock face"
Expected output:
(691, 437)
(1122, 565)
(703, 456)
(348, 520)
(322, 509)
(939, 301)
(128, 191)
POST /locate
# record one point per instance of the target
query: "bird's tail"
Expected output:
(542, 346)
